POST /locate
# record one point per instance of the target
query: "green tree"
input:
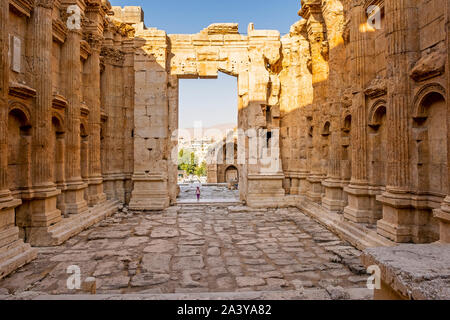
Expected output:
(202, 170)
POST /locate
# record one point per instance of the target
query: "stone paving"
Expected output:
(198, 249)
(210, 193)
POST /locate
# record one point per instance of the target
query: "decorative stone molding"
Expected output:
(84, 110)
(85, 50)
(112, 55)
(59, 31)
(376, 88)
(222, 28)
(15, 105)
(373, 120)
(24, 7)
(431, 65)
(59, 102)
(419, 111)
(21, 91)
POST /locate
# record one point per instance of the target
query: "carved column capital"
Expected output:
(48, 4)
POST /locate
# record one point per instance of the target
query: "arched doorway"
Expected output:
(232, 175)
(431, 162)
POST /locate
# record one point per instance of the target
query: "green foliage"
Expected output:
(202, 170)
(189, 164)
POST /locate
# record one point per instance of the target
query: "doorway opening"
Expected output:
(208, 122)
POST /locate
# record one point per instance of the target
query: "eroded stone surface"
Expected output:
(230, 251)
(414, 271)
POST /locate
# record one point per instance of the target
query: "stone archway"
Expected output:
(231, 174)
(163, 59)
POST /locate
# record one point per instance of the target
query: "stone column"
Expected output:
(108, 87)
(70, 56)
(360, 199)
(401, 26)
(42, 206)
(118, 132)
(334, 19)
(92, 97)
(128, 71)
(312, 12)
(444, 213)
(5, 195)
(17, 253)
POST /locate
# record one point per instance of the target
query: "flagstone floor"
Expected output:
(198, 249)
(214, 193)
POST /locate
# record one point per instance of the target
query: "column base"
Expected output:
(443, 215)
(120, 189)
(362, 205)
(315, 191)
(14, 253)
(75, 202)
(68, 227)
(150, 193)
(108, 188)
(295, 186)
(265, 191)
(407, 218)
(38, 209)
(303, 184)
(335, 199)
(95, 193)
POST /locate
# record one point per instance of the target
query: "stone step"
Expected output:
(357, 234)
(75, 224)
(303, 294)
(202, 205)
(14, 256)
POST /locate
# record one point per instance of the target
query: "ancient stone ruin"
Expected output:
(350, 107)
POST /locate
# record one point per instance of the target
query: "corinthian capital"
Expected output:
(44, 3)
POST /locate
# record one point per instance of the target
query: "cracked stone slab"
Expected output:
(418, 272)
(164, 232)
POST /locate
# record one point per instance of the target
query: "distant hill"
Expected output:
(217, 132)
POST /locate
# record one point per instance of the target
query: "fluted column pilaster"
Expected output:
(92, 97)
(70, 55)
(402, 52)
(4, 84)
(361, 206)
(444, 213)
(42, 200)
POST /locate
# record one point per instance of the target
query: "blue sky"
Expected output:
(213, 101)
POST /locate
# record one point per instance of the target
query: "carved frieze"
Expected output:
(112, 55)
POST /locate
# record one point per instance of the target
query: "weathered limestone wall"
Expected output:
(160, 61)
(54, 119)
(374, 132)
(222, 161)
